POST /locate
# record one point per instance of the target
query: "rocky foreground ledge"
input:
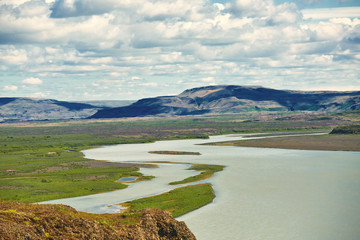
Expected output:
(46, 221)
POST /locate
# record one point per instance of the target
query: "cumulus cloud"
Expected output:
(10, 55)
(32, 81)
(10, 88)
(189, 42)
(329, 13)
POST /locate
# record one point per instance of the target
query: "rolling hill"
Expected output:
(32, 109)
(196, 101)
(236, 99)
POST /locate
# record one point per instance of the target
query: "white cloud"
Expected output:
(149, 84)
(32, 81)
(101, 60)
(185, 42)
(116, 74)
(9, 54)
(10, 88)
(40, 95)
(328, 13)
(286, 13)
(208, 79)
(346, 21)
(14, 2)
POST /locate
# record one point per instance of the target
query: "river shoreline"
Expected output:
(262, 193)
(309, 142)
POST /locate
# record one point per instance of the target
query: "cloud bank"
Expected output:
(109, 49)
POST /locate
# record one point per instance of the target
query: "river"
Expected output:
(262, 193)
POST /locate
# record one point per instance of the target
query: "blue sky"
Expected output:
(110, 49)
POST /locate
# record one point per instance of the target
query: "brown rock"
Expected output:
(22, 221)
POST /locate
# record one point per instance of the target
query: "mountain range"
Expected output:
(236, 99)
(196, 101)
(33, 109)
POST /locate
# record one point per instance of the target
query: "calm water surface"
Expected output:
(261, 194)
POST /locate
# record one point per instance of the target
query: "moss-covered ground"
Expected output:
(38, 168)
(178, 201)
(206, 170)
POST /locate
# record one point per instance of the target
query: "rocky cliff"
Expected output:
(236, 99)
(37, 221)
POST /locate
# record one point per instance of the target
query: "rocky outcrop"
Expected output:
(45, 221)
(236, 99)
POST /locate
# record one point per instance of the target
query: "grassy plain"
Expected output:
(178, 201)
(348, 129)
(38, 168)
(149, 129)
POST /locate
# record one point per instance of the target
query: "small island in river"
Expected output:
(174, 153)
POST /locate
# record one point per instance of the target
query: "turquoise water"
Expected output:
(261, 194)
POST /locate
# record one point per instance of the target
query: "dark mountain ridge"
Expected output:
(236, 99)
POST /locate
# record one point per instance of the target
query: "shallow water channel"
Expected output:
(261, 194)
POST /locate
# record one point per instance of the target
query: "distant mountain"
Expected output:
(28, 109)
(236, 99)
(33, 109)
(196, 101)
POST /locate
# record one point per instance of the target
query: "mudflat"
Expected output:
(318, 142)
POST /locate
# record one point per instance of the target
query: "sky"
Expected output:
(130, 49)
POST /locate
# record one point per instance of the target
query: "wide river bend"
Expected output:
(262, 193)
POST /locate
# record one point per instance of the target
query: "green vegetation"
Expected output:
(40, 160)
(321, 118)
(39, 168)
(76, 181)
(279, 134)
(351, 129)
(174, 153)
(207, 171)
(111, 220)
(178, 201)
(125, 131)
